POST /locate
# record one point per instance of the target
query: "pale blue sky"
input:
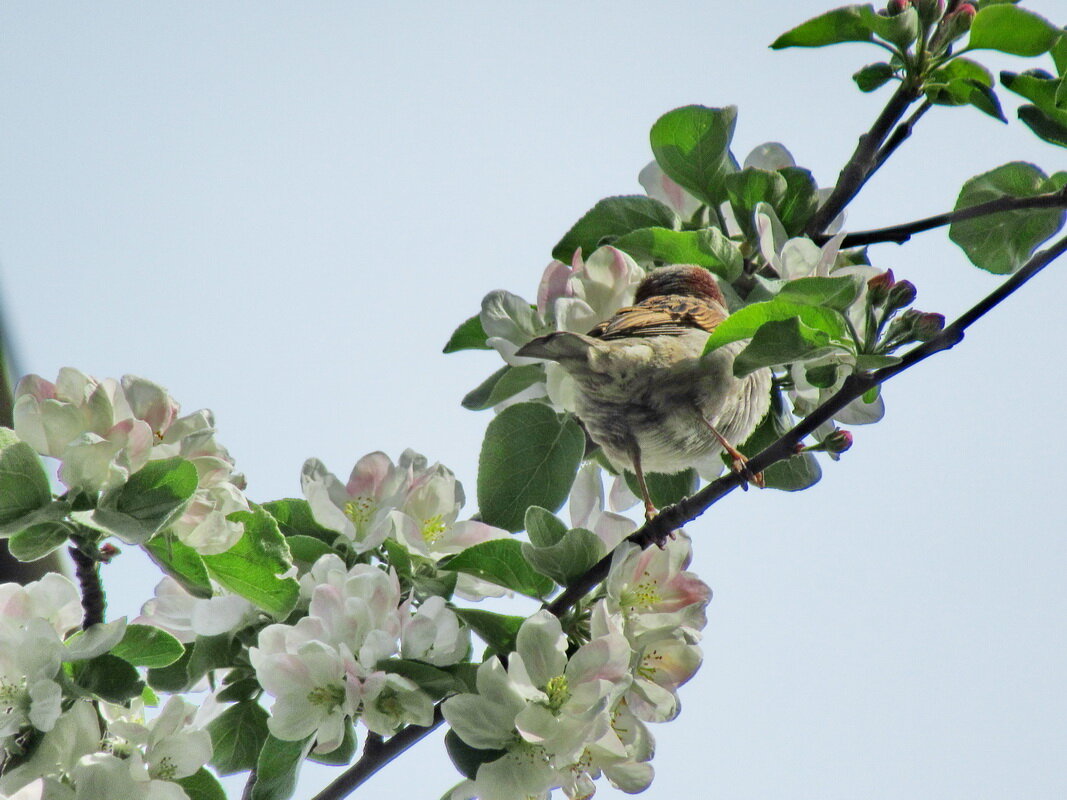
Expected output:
(280, 212)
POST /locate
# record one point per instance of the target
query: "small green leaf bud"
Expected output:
(930, 11)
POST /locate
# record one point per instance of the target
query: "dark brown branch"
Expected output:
(87, 569)
(902, 233)
(377, 757)
(674, 517)
(863, 162)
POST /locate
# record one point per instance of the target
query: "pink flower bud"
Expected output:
(897, 6)
(878, 288)
(927, 325)
(901, 295)
(837, 442)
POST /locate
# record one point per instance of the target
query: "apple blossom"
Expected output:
(185, 617)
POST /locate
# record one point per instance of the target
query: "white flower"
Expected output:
(545, 709)
(659, 187)
(651, 589)
(389, 701)
(314, 686)
(359, 509)
(185, 617)
(173, 747)
(75, 734)
(434, 634)
(587, 509)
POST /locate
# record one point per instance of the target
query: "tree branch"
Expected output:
(87, 569)
(674, 517)
(864, 161)
(902, 233)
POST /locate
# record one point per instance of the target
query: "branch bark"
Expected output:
(899, 234)
(864, 161)
(674, 517)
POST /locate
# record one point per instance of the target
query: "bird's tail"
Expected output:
(559, 346)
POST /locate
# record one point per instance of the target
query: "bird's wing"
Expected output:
(663, 315)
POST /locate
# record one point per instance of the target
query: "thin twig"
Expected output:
(902, 233)
(862, 164)
(899, 136)
(674, 517)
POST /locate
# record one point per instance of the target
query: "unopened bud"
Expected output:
(930, 11)
(878, 288)
(901, 295)
(837, 442)
(897, 7)
(927, 325)
(107, 552)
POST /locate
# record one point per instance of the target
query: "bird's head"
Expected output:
(684, 279)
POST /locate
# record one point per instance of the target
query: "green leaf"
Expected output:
(750, 186)
(665, 490)
(874, 76)
(744, 322)
(964, 82)
(180, 562)
(108, 677)
(543, 527)
(434, 681)
(707, 247)
(252, 567)
(498, 631)
(530, 456)
(792, 474)
(900, 29)
(837, 293)
(202, 785)
(833, 27)
(800, 201)
(37, 541)
(278, 768)
(1013, 30)
(238, 690)
(237, 736)
(470, 335)
(611, 218)
(211, 653)
(467, 759)
(149, 500)
(1002, 242)
(148, 646)
(500, 561)
(504, 383)
(343, 753)
(780, 342)
(1043, 125)
(172, 678)
(23, 484)
(568, 558)
(307, 549)
(294, 518)
(692, 146)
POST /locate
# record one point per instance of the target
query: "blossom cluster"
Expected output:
(104, 431)
(324, 670)
(410, 502)
(564, 716)
(75, 757)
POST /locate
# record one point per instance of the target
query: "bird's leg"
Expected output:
(650, 510)
(635, 457)
(739, 460)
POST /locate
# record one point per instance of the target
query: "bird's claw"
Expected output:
(740, 466)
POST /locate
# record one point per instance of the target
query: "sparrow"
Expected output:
(643, 392)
